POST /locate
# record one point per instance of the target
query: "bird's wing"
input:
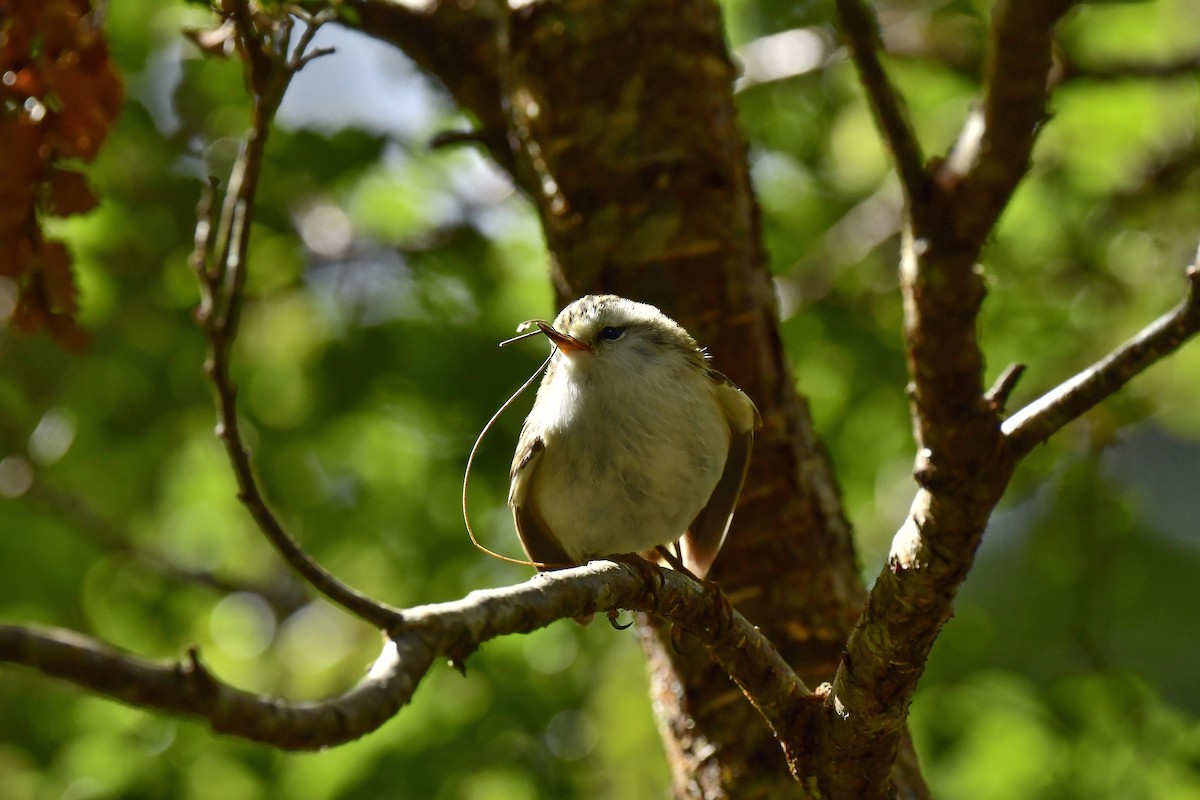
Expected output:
(540, 544)
(704, 537)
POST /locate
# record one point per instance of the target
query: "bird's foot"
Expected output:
(651, 572)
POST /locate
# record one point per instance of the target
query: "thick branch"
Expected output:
(963, 463)
(454, 630)
(943, 286)
(1037, 421)
(933, 551)
(861, 29)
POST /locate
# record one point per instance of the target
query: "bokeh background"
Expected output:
(384, 273)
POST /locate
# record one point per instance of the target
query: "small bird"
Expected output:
(634, 441)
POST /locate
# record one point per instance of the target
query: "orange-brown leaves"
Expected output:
(59, 96)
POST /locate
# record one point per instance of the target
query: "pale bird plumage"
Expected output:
(634, 441)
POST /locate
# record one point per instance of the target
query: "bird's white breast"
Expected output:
(628, 462)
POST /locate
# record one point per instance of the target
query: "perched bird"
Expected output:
(634, 442)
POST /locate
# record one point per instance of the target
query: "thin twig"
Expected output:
(455, 138)
(1037, 421)
(219, 261)
(858, 23)
(997, 396)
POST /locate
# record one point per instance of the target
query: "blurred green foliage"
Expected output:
(383, 274)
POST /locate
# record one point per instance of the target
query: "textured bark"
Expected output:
(964, 460)
(625, 123)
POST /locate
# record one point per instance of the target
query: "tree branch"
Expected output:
(1039, 420)
(933, 551)
(942, 284)
(861, 29)
(187, 688)
(991, 159)
(454, 630)
(219, 262)
(736, 645)
(997, 396)
(963, 464)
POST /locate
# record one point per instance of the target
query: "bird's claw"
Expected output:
(612, 620)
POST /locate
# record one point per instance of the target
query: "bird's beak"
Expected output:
(564, 341)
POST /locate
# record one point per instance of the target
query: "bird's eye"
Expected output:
(611, 334)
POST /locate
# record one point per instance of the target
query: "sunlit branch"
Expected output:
(735, 644)
(933, 551)
(453, 630)
(1037, 421)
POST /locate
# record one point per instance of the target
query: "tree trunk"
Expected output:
(625, 131)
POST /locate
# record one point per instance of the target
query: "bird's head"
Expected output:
(608, 330)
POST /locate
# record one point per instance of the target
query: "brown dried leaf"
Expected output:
(24, 83)
(89, 103)
(53, 51)
(69, 193)
(28, 316)
(57, 278)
